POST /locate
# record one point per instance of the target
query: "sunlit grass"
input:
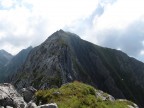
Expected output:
(77, 95)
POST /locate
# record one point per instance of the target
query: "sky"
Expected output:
(117, 24)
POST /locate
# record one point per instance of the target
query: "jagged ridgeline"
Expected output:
(65, 57)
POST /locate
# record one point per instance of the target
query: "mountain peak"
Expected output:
(2, 51)
(62, 33)
(6, 54)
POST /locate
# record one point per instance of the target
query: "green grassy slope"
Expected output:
(79, 95)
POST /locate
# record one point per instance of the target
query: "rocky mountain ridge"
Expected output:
(65, 57)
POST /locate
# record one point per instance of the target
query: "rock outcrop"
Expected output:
(10, 97)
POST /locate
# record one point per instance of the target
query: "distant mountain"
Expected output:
(5, 58)
(65, 57)
(13, 64)
(17, 61)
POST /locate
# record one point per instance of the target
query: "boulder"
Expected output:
(10, 97)
(104, 96)
(28, 93)
(9, 107)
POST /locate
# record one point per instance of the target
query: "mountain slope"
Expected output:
(64, 57)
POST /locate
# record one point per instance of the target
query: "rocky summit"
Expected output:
(65, 57)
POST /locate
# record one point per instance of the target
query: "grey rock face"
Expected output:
(10, 97)
(47, 63)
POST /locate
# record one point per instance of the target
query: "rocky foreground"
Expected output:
(9, 97)
(71, 95)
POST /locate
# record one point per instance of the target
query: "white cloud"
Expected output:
(33, 21)
(7, 3)
(142, 52)
(116, 24)
(110, 23)
(60, 13)
(2, 35)
(11, 48)
(120, 14)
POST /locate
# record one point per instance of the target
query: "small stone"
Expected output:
(52, 105)
(31, 105)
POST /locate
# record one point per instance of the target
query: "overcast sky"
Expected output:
(115, 24)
